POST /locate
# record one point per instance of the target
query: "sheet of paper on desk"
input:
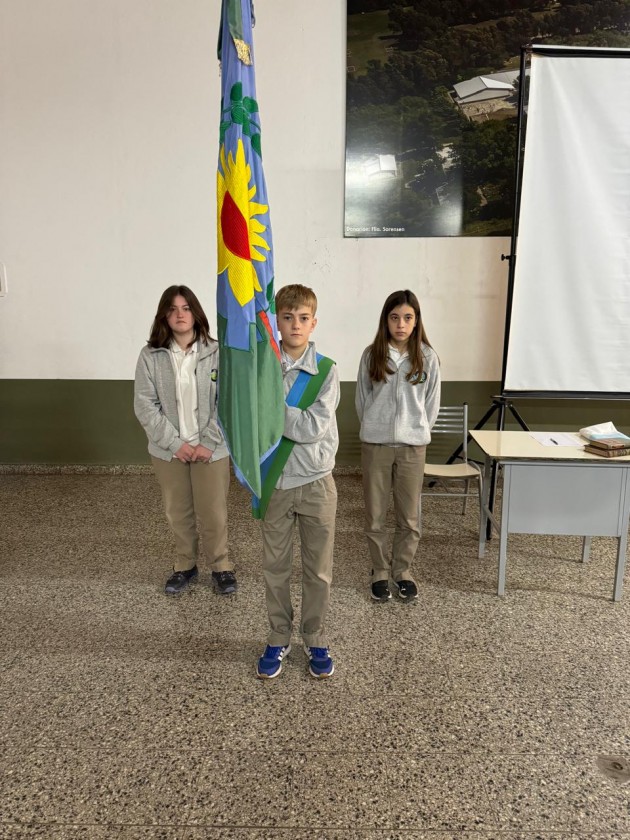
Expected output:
(557, 438)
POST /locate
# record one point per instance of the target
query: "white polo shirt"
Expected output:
(396, 356)
(184, 365)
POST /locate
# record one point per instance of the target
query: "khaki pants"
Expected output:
(399, 469)
(313, 506)
(192, 491)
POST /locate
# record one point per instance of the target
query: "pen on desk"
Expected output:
(554, 441)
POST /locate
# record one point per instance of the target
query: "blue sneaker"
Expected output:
(270, 663)
(320, 662)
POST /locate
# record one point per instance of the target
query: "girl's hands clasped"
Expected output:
(202, 454)
(187, 454)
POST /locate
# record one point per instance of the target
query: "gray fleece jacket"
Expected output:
(155, 401)
(395, 412)
(313, 429)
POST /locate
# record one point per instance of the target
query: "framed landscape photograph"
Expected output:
(431, 107)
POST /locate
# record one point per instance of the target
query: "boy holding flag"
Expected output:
(298, 488)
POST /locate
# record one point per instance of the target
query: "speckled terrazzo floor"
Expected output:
(124, 714)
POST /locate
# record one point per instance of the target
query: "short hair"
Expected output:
(161, 333)
(295, 295)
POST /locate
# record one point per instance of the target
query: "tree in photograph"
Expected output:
(486, 156)
(373, 87)
(519, 30)
(407, 209)
(486, 151)
(414, 25)
(579, 18)
(374, 129)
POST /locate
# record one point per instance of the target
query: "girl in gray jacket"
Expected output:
(175, 400)
(397, 400)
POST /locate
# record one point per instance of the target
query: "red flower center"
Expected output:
(234, 228)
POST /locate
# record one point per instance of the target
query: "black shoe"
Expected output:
(407, 589)
(179, 581)
(224, 582)
(380, 591)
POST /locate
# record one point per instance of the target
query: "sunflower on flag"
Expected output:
(251, 397)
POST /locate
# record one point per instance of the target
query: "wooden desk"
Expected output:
(555, 490)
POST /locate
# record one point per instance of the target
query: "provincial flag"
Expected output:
(251, 395)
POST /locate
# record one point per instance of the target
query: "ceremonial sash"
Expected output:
(302, 394)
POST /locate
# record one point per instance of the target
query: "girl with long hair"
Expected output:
(175, 400)
(397, 400)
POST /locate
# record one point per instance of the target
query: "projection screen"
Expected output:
(568, 331)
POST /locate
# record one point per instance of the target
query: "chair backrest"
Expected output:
(453, 420)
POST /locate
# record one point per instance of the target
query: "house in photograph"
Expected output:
(483, 95)
(380, 167)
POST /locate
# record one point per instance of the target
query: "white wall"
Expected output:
(109, 113)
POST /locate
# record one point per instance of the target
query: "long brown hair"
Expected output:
(378, 367)
(161, 333)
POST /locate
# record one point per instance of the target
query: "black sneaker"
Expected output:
(380, 590)
(407, 589)
(179, 581)
(224, 582)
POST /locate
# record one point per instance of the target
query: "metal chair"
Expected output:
(453, 420)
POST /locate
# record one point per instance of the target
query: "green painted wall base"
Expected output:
(69, 421)
(56, 421)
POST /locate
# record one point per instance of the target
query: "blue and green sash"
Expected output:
(302, 394)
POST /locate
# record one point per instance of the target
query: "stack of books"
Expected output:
(612, 447)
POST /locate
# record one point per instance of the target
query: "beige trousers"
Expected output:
(313, 507)
(397, 469)
(196, 491)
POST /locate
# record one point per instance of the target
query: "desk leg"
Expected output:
(493, 478)
(624, 522)
(621, 565)
(505, 521)
(586, 548)
(483, 516)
